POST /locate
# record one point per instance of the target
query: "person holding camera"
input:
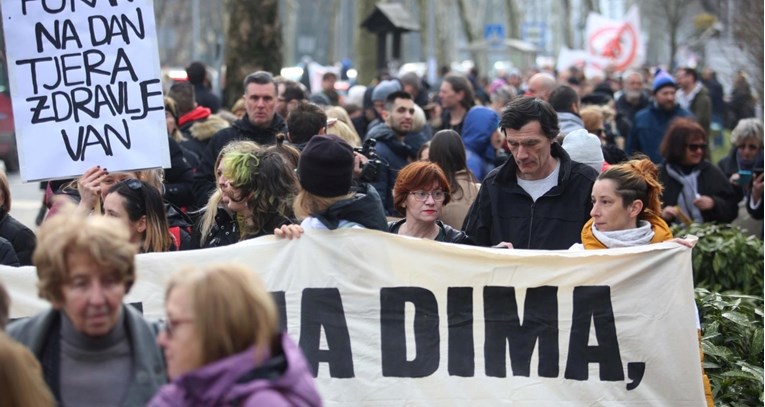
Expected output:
(328, 199)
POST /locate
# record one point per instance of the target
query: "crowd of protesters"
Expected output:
(555, 161)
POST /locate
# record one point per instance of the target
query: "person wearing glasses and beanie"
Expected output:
(328, 199)
(223, 346)
(420, 193)
(94, 349)
(695, 190)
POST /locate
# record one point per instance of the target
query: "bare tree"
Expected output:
(467, 27)
(366, 44)
(513, 18)
(253, 42)
(748, 34)
(568, 38)
(672, 13)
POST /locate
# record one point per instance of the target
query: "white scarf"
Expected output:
(627, 237)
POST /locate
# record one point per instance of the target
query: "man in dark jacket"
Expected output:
(260, 124)
(538, 199)
(634, 98)
(651, 123)
(396, 145)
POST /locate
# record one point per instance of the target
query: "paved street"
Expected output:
(25, 200)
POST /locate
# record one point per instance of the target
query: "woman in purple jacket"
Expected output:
(223, 347)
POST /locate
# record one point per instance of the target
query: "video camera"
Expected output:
(371, 170)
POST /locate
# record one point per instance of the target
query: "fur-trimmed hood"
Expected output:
(203, 130)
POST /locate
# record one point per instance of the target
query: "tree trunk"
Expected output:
(253, 42)
(467, 27)
(365, 44)
(443, 55)
(568, 38)
(513, 19)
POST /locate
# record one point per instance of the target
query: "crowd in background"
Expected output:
(541, 160)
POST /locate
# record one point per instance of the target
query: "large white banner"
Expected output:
(85, 86)
(390, 321)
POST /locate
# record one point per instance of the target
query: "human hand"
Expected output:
(289, 232)
(669, 212)
(358, 161)
(89, 187)
(734, 178)
(757, 189)
(504, 245)
(683, 242)
(704, 203)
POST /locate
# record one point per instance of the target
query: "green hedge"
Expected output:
(726, 259)
(732, 341)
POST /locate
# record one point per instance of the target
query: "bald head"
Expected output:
(540, 85)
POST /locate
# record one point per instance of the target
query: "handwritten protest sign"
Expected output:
(84, 78)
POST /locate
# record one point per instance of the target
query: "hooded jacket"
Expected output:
(283, 379)
(479, 125)
(569, 122)
(364, 209)
(648, 130)
(198, 134)
(504, 212)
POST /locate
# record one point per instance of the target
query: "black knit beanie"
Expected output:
(326, 166)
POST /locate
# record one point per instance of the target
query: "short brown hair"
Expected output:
(105, 240)
(415, 176)
(680, 132)
(231, 307)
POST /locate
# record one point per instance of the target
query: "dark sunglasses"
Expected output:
(695, 147)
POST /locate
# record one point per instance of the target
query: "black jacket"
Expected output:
(8, 255)
(179, 178)
(504, 211)
(242, 129)
(711, 182)
(446, 233)
(224, 231)
(20, 237)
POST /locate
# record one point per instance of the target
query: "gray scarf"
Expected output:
(625, 238)
(689, 192)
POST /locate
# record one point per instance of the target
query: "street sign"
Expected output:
(494, 34)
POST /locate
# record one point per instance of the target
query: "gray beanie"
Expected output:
(584, 148)
(385, 88)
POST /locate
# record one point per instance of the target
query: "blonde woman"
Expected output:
(223, 346)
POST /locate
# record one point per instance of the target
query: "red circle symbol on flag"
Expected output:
(616, 43)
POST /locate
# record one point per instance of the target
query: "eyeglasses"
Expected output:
(133, 184)
(171, 324)
(421, 196)
(600, 132)
(695, 147)
(753, 147)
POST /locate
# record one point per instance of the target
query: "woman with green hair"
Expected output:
(256, 188)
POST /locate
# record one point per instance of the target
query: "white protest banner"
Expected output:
(390, 321)
(85, 86)
(615, 42)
